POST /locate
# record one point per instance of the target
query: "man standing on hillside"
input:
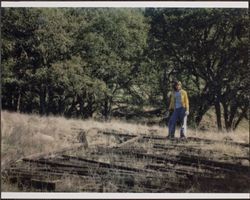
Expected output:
(179, 104)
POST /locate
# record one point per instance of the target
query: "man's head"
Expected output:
(177, 85)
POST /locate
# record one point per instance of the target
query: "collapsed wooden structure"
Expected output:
(163, 166)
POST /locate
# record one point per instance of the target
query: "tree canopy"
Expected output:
(110, 62)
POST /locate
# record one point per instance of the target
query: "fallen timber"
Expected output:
(182, 159)
(158, 137)
(56, 167)
(185, 149)
(129, 135)
(159, 170)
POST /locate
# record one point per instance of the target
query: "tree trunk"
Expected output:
(7, 100)
(50, 107)
(61, 107)
(200, 113)
(240, 118)
(233, 114)
(200, 106)
(70, 111)
(106, 109)
(89, 109)
(16, 101)
(218, 115)
(19, 101)
(230, 110)
(198, 118)
(227, 125)
(164, 89)
(80, 113)
(107, 106)
(13, 102)
(29, 105)
(42, 100)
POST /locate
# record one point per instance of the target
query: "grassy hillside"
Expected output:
(24, 135)
(31, 135)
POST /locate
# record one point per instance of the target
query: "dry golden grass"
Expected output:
(24, 134)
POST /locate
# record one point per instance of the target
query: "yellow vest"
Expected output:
(184, 100)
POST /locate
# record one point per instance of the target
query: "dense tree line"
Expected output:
(105, 62)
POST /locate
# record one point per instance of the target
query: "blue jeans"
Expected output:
(178, 115)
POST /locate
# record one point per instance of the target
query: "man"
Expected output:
(179, 104)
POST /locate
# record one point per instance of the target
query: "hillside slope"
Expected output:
(45, 153)
(24, 134)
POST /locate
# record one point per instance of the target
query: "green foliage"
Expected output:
(206, 49)
(118, 62)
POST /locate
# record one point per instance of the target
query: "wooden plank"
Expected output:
(198, 150)
(117, 134)
(54, 153)
(178, 171)
(158, 137)
(128, 142)
(202, 160)
(106, 165)
(195, 139)
(209, 141)
(43, 184)
(195, 161)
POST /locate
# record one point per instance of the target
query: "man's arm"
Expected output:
(171, 104)
(187, 103)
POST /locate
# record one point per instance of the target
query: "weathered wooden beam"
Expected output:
(209, 141)
(223, 165)
(158, 137)
(128, 142)
(179, 171)
(195, 161)
(185, 149)
(106, 165)
(53, 153)
(43, 184)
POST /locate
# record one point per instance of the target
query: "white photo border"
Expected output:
(129, 4)
(124, 4)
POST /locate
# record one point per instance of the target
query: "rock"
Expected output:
(82, 138)
(245, 162)
(43, 138)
